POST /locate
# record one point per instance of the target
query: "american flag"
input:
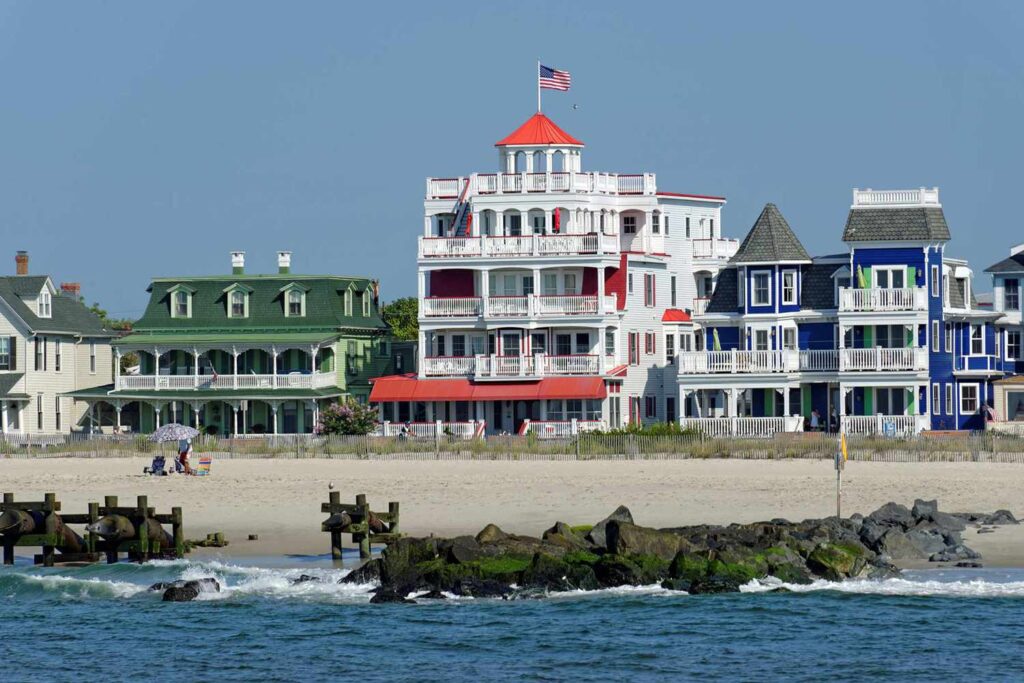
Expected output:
(554, 79)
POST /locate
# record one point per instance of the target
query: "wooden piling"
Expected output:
(141, 532)
(8, 543)
(393, 513)
(335, 499)
(50, 526)
(110, 502)
(93, 538)
(364, 537)
(178, 531)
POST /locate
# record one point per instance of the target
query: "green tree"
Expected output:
(122, 325)
(347, 417)
(402, 316)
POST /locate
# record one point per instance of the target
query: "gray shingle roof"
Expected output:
(892, 224)
(1014, 264)
(818, 292)
(67, 314)
(770, 240)
(956, 293)
(726, 296)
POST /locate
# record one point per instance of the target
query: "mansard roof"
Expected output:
(771, 240)
(725, 298)
(896, 224)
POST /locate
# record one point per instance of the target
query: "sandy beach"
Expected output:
(280, 499)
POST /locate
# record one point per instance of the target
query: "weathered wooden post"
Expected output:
(335, 498)
(393, 513)
(8, 543)
(364, 537)
(178, 531)
(94, 516)
(141, 530)
(50, 528)
(110, 502)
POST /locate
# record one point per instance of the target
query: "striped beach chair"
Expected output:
(203, 468)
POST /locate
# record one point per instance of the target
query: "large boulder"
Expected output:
(927, 541)
(461, 550)
(597, 534)
(623, 538)
(897, 546)
(561, 534)
(893, 514)
(924, 509)
(836, 562)
(186, 591)
(388, 595)
(481, 588)
(871, 533)
(368, 572)
(490, 534)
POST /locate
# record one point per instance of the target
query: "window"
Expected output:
(968, 399)
(295, 300)
(945, 291)
(615, 412)
(760, 340)
(650, 407)
(366, 303)
(573, 409)
(762, 288)
(634, 348)
(977, 340)
(742, 290)
(630, 282)
(656, 223)
(670, 409)
(711, 222)
(56, 413)
(582, 343)
(563, 344)
(890, 277)
(39, 412)
(237, 304)
(458, 345)
(936, 408)
(527, 286)
(672, 286)
(440, 345)
(550, 284)
(538, 343)
(629, 225)
(789, 338)
(789, 287)
(609, 342)
(1012, 345)
(649, 343)
(569, 281)
(6, 344)
(649, 292)
(935, 336)
(687, 226)
(92, 358)
(40, 354)
(949, 398)
(44, 309)
(670, 348)
(935, 281)
(949, 338)
(56, 355)
(348, 302)
(1011, 295)
(181, 304)
(555, 413)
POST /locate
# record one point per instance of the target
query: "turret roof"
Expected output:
(538, 130)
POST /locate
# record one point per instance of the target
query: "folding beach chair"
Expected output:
(203, 469)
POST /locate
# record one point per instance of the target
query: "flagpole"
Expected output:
(538, 85)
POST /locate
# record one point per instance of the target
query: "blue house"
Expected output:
(884, 337)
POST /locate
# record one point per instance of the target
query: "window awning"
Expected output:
(411, 388)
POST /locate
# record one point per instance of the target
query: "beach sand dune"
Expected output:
(280, 499)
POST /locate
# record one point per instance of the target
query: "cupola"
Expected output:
(539, 146)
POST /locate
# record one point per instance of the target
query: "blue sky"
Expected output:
(144, 139)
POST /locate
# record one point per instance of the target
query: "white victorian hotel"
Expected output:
(552, 298)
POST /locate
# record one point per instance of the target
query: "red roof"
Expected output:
(675, 315)
(410, 388)
(538, 130)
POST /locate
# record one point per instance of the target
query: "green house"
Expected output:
(246, 354)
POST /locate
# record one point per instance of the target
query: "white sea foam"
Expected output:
(71, 586)
(963, 588)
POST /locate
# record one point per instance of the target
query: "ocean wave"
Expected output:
(958, 588)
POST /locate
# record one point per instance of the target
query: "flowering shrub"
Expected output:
(348, 418)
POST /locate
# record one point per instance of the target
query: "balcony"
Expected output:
(744, 427)
(528, 306)
(484, 367)
(922, 196)
(982, 365)
(882, 300)
(913, 359)
(700, 305)
(883, 425)
(557, 182)
(294, 380)
(520, 246)
(715, 248)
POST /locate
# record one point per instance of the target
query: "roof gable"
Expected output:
(538, 130)
(1014, 264)
(67, 314)
(771, 240)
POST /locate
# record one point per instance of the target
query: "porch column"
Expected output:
(195, 367)
(196, 407)
(430, 411)
(273, 416)
(549, 225)
(3, 416)
(421, 284)
(234, 369)
(156, 368)
(117, 418)
(316, 414)
(234, 412)
(648, 224)
(843, 391)
(600, 290)
(599, 348)
(421, 351)
(274, 354)
(485, 291)
(117, 369)
(732, 402)
(785, 401)
(157, 407)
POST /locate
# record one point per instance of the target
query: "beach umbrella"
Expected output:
(173, 432)
(717, 344)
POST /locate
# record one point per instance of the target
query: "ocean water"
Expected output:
(100, 623)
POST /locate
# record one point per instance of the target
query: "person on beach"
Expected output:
(403, 433)
(815, 420)
(184, 450)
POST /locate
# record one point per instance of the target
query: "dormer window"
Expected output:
(238, 300)
(294, 300)
(44, 308)
(181, 301)
(366, 304)
(348, 302)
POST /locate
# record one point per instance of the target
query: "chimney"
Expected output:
(284, 262)
(21, 259)
(72, 289)
(238, 262)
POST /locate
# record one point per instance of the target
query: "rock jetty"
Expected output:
(697, 559)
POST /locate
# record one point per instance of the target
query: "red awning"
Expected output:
(675, 315)
(410, 388)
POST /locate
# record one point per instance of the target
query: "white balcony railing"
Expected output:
(734, 361)
(509, 306)
(563, 182)
(715, 248)
(878, 300)
(294, 380)
(534, 366)
(451, 307)
(882, 360)
(819, 360)
(885, 425)
(565, 304)
(505, 366)
(565, 244)
(923, 196)
(700, 305)
(581, 364)
(449, 366)
(749, 427)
